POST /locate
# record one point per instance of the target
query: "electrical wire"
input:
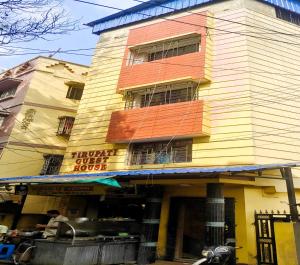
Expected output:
(243, 103)
(219, 18)
(182, 22)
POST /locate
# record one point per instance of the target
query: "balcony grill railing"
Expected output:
(168, 96)
(161, 153)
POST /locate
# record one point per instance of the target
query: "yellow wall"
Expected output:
(46, 96)
(251, 112)
(227, 144)
(275, 96)
(285, 244)
(257, 199)
(41, 204)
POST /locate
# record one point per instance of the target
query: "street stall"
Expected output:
(104, 238)
(90, 242)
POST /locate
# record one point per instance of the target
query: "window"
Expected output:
(178, 151)
(65, 126)
(164, 95)
(8, 93)
(173, 52)
(2, 118)
(287, 15)
(75, 92)
(167, 49)
(52, 164)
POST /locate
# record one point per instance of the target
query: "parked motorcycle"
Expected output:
(221, 255)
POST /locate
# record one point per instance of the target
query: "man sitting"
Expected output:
(51, 227)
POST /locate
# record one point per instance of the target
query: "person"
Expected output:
(3, 232)
(51, 227)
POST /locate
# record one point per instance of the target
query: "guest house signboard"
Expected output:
(96, 160)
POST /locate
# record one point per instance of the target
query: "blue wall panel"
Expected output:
(292, 5)
(156, 8)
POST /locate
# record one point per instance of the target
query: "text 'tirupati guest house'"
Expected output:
(194, 102)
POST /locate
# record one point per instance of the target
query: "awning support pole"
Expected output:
(18, 214)
(215, 214)
(151, 220)
(288, 176)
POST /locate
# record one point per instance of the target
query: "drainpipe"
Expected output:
(215, 214)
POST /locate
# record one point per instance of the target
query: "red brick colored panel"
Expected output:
(168, 29)
(189, 65)
(157, 122)
(179, 67)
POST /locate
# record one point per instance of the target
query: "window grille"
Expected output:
(52, 164)
(167, 49)
(173, 52)
(168, 96)
(65, 126)
(178, 151)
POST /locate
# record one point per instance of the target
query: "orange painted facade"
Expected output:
(188, 66)
(157, 122)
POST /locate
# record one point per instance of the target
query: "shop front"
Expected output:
(94, 222)
(168, 214)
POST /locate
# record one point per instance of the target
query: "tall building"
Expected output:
(38, 104)
(196, 99)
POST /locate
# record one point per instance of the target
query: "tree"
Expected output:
(26, 20)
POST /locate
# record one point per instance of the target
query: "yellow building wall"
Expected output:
(275, 81)
(42, 204)
(230, 142)
(46, 99)
(257, 199)
(285, 244)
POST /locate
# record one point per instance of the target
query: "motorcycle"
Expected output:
(221, 255)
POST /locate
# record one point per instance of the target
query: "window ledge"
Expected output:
(7, 98)
(158, 41)
(160, 166)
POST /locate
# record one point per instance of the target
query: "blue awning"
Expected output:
(69, 178)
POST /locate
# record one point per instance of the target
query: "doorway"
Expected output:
(186, 227)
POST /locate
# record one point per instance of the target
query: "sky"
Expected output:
(73, 40)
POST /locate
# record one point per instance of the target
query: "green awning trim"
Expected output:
(109, 182)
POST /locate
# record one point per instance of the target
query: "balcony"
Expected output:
(185, 67)
(167, 51)
(183, 120)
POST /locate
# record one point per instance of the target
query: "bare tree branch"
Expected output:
(26, 20)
